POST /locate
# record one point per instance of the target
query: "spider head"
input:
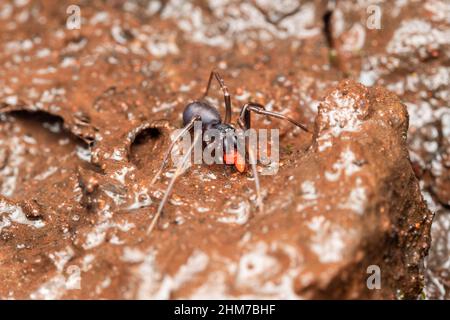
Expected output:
(229, 140)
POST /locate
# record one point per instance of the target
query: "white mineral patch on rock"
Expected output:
(440, 10)
(66, 278)
(340, 114)
(309, 190)
(97, 236)
(120, 174)
(238, 214)
(417, 36)
(11, 171)
(419, 114)
(141, 200)
(259, 274)
(14, 214)
(345, 164)
(244, 21)
(327, 241)
(44, 175)
(354, 38)
(53, 289)
(260, 271)
(156, 286)
(83, 154)
(132, 255)
(357, 199)
(60, 258)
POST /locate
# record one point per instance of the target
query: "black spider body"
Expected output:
(209, 116)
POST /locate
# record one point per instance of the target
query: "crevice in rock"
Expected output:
(51, 122)
(326, 18)
(144, 145)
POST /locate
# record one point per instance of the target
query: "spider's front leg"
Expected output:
(226, 94)
(245, 118)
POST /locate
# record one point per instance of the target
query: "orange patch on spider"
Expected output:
(236, 159)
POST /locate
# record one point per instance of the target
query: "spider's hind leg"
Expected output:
(184, 131)
(178, 172)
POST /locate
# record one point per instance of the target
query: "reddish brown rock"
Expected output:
(110, 94)
(350, 201)
(437, 284)
(410, 55)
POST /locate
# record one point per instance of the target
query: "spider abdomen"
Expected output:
(207, 113)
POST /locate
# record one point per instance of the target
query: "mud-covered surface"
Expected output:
(87, 115)
(411, 57)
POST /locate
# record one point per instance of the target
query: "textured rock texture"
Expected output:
(410, 55)
(350, 200)
(86, 116)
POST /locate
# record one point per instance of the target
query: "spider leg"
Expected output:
(226, 94)
(186, 129)
(177, 173)
(259, 201)
(244, 118)
(252, 158)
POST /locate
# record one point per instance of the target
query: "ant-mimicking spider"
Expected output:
(201, 110)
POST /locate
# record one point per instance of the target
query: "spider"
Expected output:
(201, 110)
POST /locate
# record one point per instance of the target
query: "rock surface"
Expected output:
(350, 200)
(86, 116)
(410, 55)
